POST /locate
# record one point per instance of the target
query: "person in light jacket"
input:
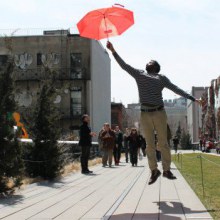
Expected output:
(108, 143)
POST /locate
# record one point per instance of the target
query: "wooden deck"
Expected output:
(117, 193)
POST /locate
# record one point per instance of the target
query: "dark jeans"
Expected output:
(117, 154)
(126, 154)
(133, 155)
(158, 155)
(85, 158)
(175, 147)
(144, 151)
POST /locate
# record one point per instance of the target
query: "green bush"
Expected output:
(11, 164)
(186, 142)
(45, 132)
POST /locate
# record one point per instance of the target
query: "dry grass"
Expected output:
(70, 168)
(75, 167)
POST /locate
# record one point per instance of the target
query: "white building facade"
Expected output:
(81, 68)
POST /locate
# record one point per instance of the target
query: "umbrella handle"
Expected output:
(116, 5)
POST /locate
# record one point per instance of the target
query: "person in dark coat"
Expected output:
(118, 145)
(133, 143)
(85, 142)
(143, 144)
(175, 143)
(126, 134)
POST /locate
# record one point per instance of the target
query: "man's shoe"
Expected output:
(85, 172)
(168, 174)
(154, 176)
(89, 171)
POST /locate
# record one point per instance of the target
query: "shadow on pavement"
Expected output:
(168, 210)
(10, 200)
(142, 216)
(169, 207)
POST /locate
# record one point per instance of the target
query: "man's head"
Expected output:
(107, 126)
(153, 67)
(85, 118)
(117, 128)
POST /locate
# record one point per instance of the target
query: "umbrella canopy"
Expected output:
(105, 22)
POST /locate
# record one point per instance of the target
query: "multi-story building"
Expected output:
(80, 67)
(211, 111)
(217, 106)
(176, 114)
(133, 111)
(194, 114)
(175, 109)
(119, 116)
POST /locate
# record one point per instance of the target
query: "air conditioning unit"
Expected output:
(56, 32)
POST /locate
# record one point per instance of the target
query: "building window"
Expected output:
(76, 101)
(76, 65)
(114, 118)
(3, 59)
(39, 60)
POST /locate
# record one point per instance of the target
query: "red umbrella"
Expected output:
(105, 22)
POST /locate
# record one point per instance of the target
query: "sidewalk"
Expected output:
(117, 193)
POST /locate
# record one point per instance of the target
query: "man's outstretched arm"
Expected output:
(132, 71)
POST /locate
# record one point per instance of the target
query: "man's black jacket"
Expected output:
(84, 134)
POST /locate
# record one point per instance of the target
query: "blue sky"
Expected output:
(182, 35)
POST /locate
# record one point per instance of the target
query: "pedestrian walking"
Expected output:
(175, 143)
(200, 144)
(204, 144)
(108, 143)
(126, 134)
(169, 135)
(158, 154)
(118, 144)
(153, 116)
(85, 142)
(142, 145)
(100, 142)
(133, 143)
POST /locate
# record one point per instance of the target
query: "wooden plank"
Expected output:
(111, 193)
(126, 209)
(98, 204)
(170, 204)
(54, 207)
(52, 193)
(148, 205)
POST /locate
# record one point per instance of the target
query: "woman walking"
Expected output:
(108, 143)
(134, 144)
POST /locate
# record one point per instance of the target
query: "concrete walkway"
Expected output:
(117, 193)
